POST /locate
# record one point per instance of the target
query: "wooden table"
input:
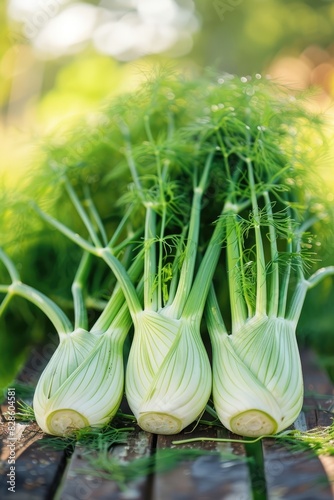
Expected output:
(281, 472)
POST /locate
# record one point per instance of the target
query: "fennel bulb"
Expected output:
(83, 383)
(90, 395)
(257, 376)
(168, 377)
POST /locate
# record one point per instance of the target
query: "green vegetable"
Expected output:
(168, 377)
(257, 376)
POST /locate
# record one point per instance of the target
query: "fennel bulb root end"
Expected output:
(63, 422)
(159, 423)
(253, 423)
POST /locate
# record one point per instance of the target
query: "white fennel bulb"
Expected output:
(168, 377)
(257, 377)
(71, 351)
(90, 395)
(83, 383)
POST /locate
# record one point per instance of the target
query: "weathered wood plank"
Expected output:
(88, 486)
(288, 475)
(301, 475)
(37, 469)
(25, 435)
(328, 464)
(319, 393)
(206, 477)
(37, 473)
(319, 390)
(294, 475)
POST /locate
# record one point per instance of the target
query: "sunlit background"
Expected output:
(59, 59)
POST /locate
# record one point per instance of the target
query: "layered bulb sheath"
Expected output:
(257, 377)
(83, 383)
(168, 377)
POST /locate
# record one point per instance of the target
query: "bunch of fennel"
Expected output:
(168, 375)
(186, 143)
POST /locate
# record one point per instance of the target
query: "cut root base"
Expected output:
(253, 423)
(62, 422)
(159, 423)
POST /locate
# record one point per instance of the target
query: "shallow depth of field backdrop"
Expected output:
(59, 59)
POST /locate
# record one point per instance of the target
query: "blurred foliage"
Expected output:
(246, 36)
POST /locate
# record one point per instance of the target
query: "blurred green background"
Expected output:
(59, 59)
